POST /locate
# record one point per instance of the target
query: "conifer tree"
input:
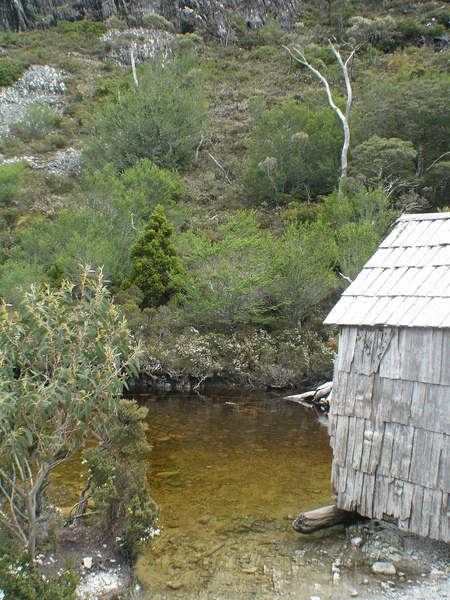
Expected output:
(155, 258)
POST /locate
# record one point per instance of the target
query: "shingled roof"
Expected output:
(406, 283)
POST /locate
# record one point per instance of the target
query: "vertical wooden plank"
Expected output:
(386, 450)
(407, 496)
(404, 524)
(429, 355)
(401, 401)
(402, 451)
(350, 502)
(426, 512)
(368, 486)
(368, 351)
(340, 383)
(436, 408)
(360, 342)
(363, 385)
(435, 515)
(416, 509)
(383, 406)
(349, 335)
(392, 504)
(358, 447)
(415, 353)
(391, 360)
(367, 446)
(343, 478)
(359, 480)
(426, 456)
(444, 533)
(351, 440)
(334, 478)
(340, 442)
(437, 344)
(445, 364)
(384, 337)
(380, 496)
(417, 403)
(375, 452)
(332, 424)
(350, 395)
(444, 466)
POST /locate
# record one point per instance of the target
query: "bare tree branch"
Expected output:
(298, 55)
(133, 64)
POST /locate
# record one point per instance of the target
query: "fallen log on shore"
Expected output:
(322, 518)
(319, 399)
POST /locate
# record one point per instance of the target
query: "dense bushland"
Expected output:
(209, 190)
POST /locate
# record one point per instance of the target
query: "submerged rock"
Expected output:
(384, 568)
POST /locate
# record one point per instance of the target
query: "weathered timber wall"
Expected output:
(390, 426)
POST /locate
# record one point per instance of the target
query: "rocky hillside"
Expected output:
(19, 15)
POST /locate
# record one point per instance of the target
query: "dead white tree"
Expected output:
(133, 63)
(297, 55)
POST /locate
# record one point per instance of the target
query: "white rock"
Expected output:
(314, 598)
(384, 568)
(357, 542)
(87, 562)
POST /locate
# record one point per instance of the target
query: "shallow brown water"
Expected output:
(230, 473)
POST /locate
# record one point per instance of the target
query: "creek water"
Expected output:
(230, 472)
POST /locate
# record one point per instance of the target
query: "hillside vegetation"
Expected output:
(209, 191)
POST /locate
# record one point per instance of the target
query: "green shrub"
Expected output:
(155, 21)
(155, 261)
(96, 28)
(11, 177)
(119, 480)
(37, 120)
(116, 23)
(437, 30)
(294, 152)
(411, 30)
(9, 73)
(12, 146)
(161, 119)
(19, 581)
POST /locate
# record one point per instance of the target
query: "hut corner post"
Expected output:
(323, 518)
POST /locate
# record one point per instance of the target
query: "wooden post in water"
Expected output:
(322, 518)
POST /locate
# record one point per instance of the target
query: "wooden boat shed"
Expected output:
(390, 415)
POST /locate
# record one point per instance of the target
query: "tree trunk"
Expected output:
(322, 518)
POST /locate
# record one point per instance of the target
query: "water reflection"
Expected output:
(230, 472)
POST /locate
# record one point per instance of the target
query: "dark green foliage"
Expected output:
(389, 164)
(118, 479)
(246, 276)
(161, 119)
(9, 73)
(305, 258)
(358, 219)
(37, 120)
(101, 233)
(95, 28)
(229, 279)
(415, 110)
(155, 260)
(156, 21)
(19, 581)
(294, 151)
(11, 177)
